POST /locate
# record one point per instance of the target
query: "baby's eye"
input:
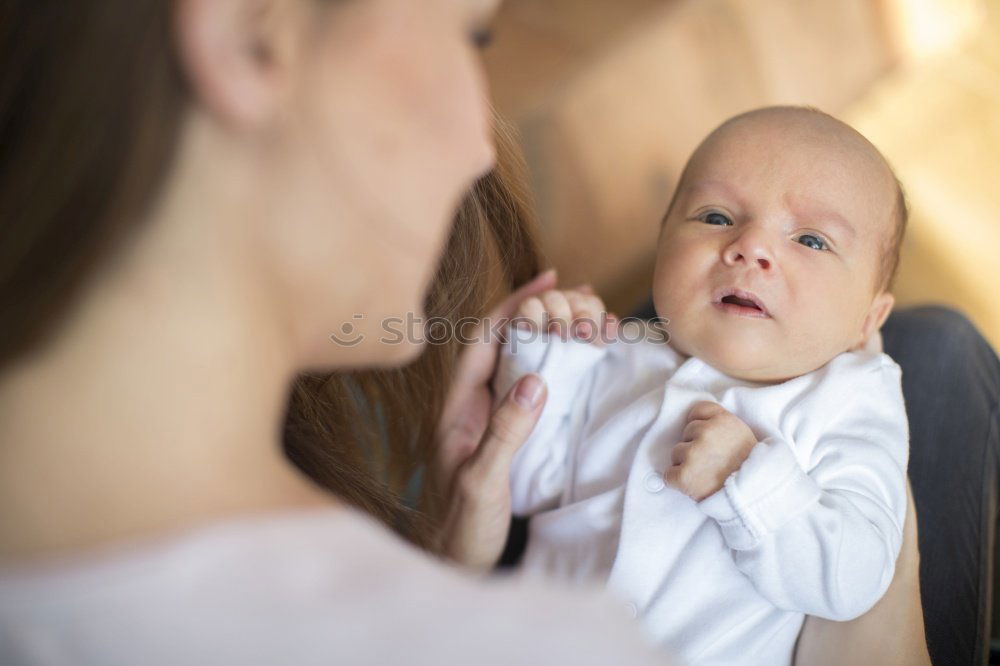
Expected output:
(717, 219)
(814, 242)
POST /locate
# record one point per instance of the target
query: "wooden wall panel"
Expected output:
(612, 97)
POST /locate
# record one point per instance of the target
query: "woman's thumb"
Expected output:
(511, 423)
(529, 392)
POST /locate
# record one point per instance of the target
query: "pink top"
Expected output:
(317, 587)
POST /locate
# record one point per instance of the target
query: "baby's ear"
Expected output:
(878, 312)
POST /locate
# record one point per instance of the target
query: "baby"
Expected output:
(750, 469)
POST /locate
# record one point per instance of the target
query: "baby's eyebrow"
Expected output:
(815, 211)
(712, 186)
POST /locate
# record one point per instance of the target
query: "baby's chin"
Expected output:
(744, 362)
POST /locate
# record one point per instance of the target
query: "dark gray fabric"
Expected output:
(951, 384)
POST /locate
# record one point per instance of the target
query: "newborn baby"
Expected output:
(749, 467)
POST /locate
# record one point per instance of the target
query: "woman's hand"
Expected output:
(470, 473)
(891, 633)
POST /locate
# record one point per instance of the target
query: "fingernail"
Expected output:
(582, 330)
(529, 391)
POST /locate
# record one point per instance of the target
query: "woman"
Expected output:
(203, 193)
(195, 195)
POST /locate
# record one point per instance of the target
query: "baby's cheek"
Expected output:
(826, 324)
(666, 289)
(676, 270)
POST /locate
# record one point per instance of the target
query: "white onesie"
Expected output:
(810, 524)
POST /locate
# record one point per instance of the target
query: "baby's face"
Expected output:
(768, 262)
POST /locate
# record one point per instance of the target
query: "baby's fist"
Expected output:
(714, 444)
(577, 313)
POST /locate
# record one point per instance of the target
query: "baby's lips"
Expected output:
(746, 296)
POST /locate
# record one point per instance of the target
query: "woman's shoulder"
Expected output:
(311, 587)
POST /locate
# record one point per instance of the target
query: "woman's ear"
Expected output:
(237, 55)
(878, 312)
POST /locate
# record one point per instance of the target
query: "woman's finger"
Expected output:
(508, 429)
(542, 282)
(478, 515)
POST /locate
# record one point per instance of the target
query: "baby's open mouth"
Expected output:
(739, 302)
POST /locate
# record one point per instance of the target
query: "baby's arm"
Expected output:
(539, 467)
(824, 540)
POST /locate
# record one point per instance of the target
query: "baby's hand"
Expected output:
(578, 312)
(715, 444)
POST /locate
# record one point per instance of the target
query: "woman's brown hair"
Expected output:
(91, 103)
(367, 435)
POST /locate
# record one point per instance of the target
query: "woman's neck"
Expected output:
(157, 405)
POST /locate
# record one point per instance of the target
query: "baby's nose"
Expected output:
(748, 249)
(763, 262)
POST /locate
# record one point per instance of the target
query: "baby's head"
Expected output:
(780, 245)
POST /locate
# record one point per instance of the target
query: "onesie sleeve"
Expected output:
(819, 532)
(538, 470)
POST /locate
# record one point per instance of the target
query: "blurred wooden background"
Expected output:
(610, 98)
